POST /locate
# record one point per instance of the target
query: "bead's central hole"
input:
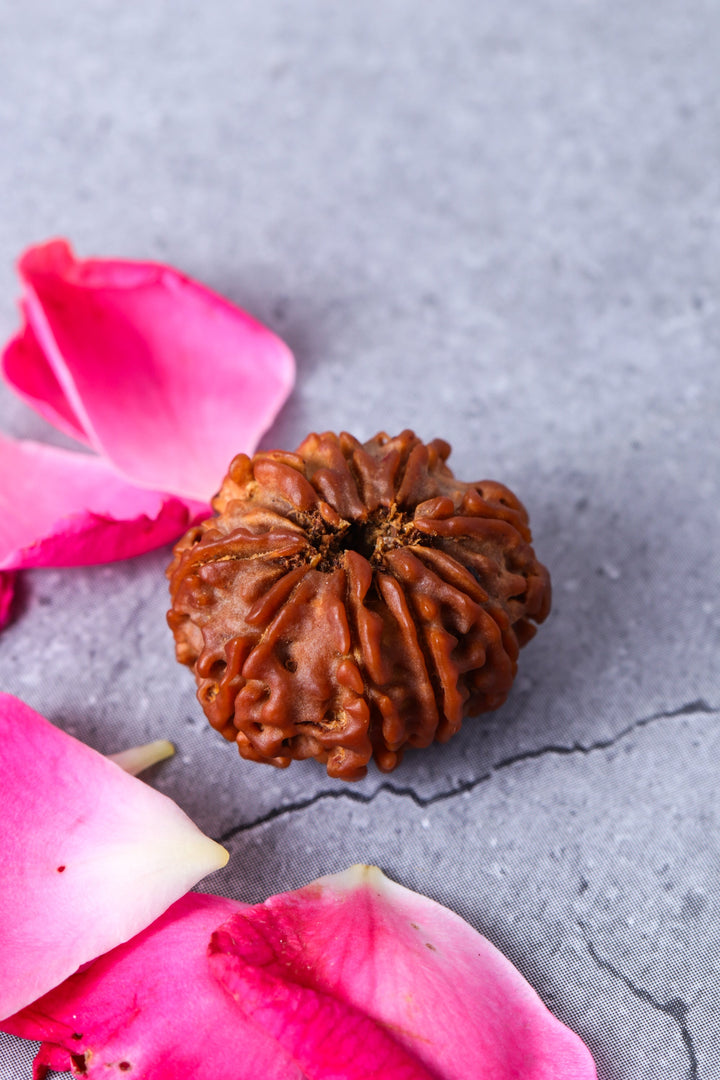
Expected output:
(363, 537)
(382, 530)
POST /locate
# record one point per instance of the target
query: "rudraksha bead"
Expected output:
(352, 599)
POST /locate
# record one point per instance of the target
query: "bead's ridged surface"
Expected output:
(350, 599)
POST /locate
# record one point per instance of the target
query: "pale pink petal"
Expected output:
(89, 855)
(28, 372)
(307, 965)
(7, 593)
(61, 508)
(151, 1009)
(168, 380)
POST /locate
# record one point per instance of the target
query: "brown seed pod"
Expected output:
(351, 599)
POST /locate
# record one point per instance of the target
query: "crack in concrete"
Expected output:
(674, 1008)
(699, 706)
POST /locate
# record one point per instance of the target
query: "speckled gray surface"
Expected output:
(498, 224)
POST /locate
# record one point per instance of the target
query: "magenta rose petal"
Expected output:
(352, 961)
(164, 379)
(168, 380)
(89, 855)
(151, 1008)
(350, 977)
(27, 370)
(62, 508)
(7, 593)
(50, 1057)
(327, 1035)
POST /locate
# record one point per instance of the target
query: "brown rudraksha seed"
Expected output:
(352, 599)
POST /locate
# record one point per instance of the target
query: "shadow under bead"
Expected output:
(352, 599)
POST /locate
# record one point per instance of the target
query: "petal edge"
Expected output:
(201, 379)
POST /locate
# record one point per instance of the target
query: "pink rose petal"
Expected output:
(152, 1009)
(167, 380)
(353, 962)
(50, 1057)
(7, 593)
(89, 855)
(348, 978)
(61, 508)
(274, 985)
(26, 368)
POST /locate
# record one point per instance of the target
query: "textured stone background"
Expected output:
(494, 223)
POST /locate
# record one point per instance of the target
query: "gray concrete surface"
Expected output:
(498, 224)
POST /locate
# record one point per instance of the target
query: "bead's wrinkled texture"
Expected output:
(352, 599)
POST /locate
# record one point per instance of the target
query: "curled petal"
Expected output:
(151, 1008)
(28, 371)
(89, 855)
(61, 508)
(165, 379)
(359, 974)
